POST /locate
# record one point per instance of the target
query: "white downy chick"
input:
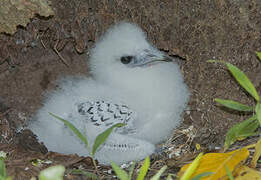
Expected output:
(132, 82)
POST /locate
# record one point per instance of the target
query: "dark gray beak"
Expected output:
(150, 57)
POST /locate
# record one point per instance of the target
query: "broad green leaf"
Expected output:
(258, 55)
(121, 174)
(200, 176)
(234, 105)
(73, 128)
(85, 173)
(101, 138)
(258, 112)
(229, 174)
(243, 80)
(144, 168)
(192, 168)
(52, 173)
(241, 130)
(159, 173)
(2, 169)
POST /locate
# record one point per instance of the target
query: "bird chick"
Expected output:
(131, 82)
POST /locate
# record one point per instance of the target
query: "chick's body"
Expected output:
(126, 87)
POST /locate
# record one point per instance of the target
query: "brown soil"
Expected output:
(196, 31)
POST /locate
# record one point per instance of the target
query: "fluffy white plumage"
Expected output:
(129, 77)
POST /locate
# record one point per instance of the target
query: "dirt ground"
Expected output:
(194, 30)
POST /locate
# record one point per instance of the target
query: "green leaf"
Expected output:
(258, 55)
(229, 174)
(131, 170)
(241, 130)
(52, 173)
(85, 173)
(199, 176)
(120, 173)
(243, 80)
(73, 128)
(101, 138)
(258, 112)
(234, 105)
(144, 168)
(159, 173)
(192, 168)
(2, 169)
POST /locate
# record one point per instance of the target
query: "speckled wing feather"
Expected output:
(106, 114)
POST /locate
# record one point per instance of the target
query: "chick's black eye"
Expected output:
(126, 59)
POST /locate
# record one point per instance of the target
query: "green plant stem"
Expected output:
(95, 166)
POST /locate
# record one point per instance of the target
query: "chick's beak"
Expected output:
(148, 58)
(167, 58)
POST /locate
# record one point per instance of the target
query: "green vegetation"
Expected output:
(123, 175)
(229, 173)
(248, 127)
(239, 131)
(3, 174)
(99, 140)
(188, 173)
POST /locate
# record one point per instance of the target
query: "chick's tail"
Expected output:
(122, 149)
